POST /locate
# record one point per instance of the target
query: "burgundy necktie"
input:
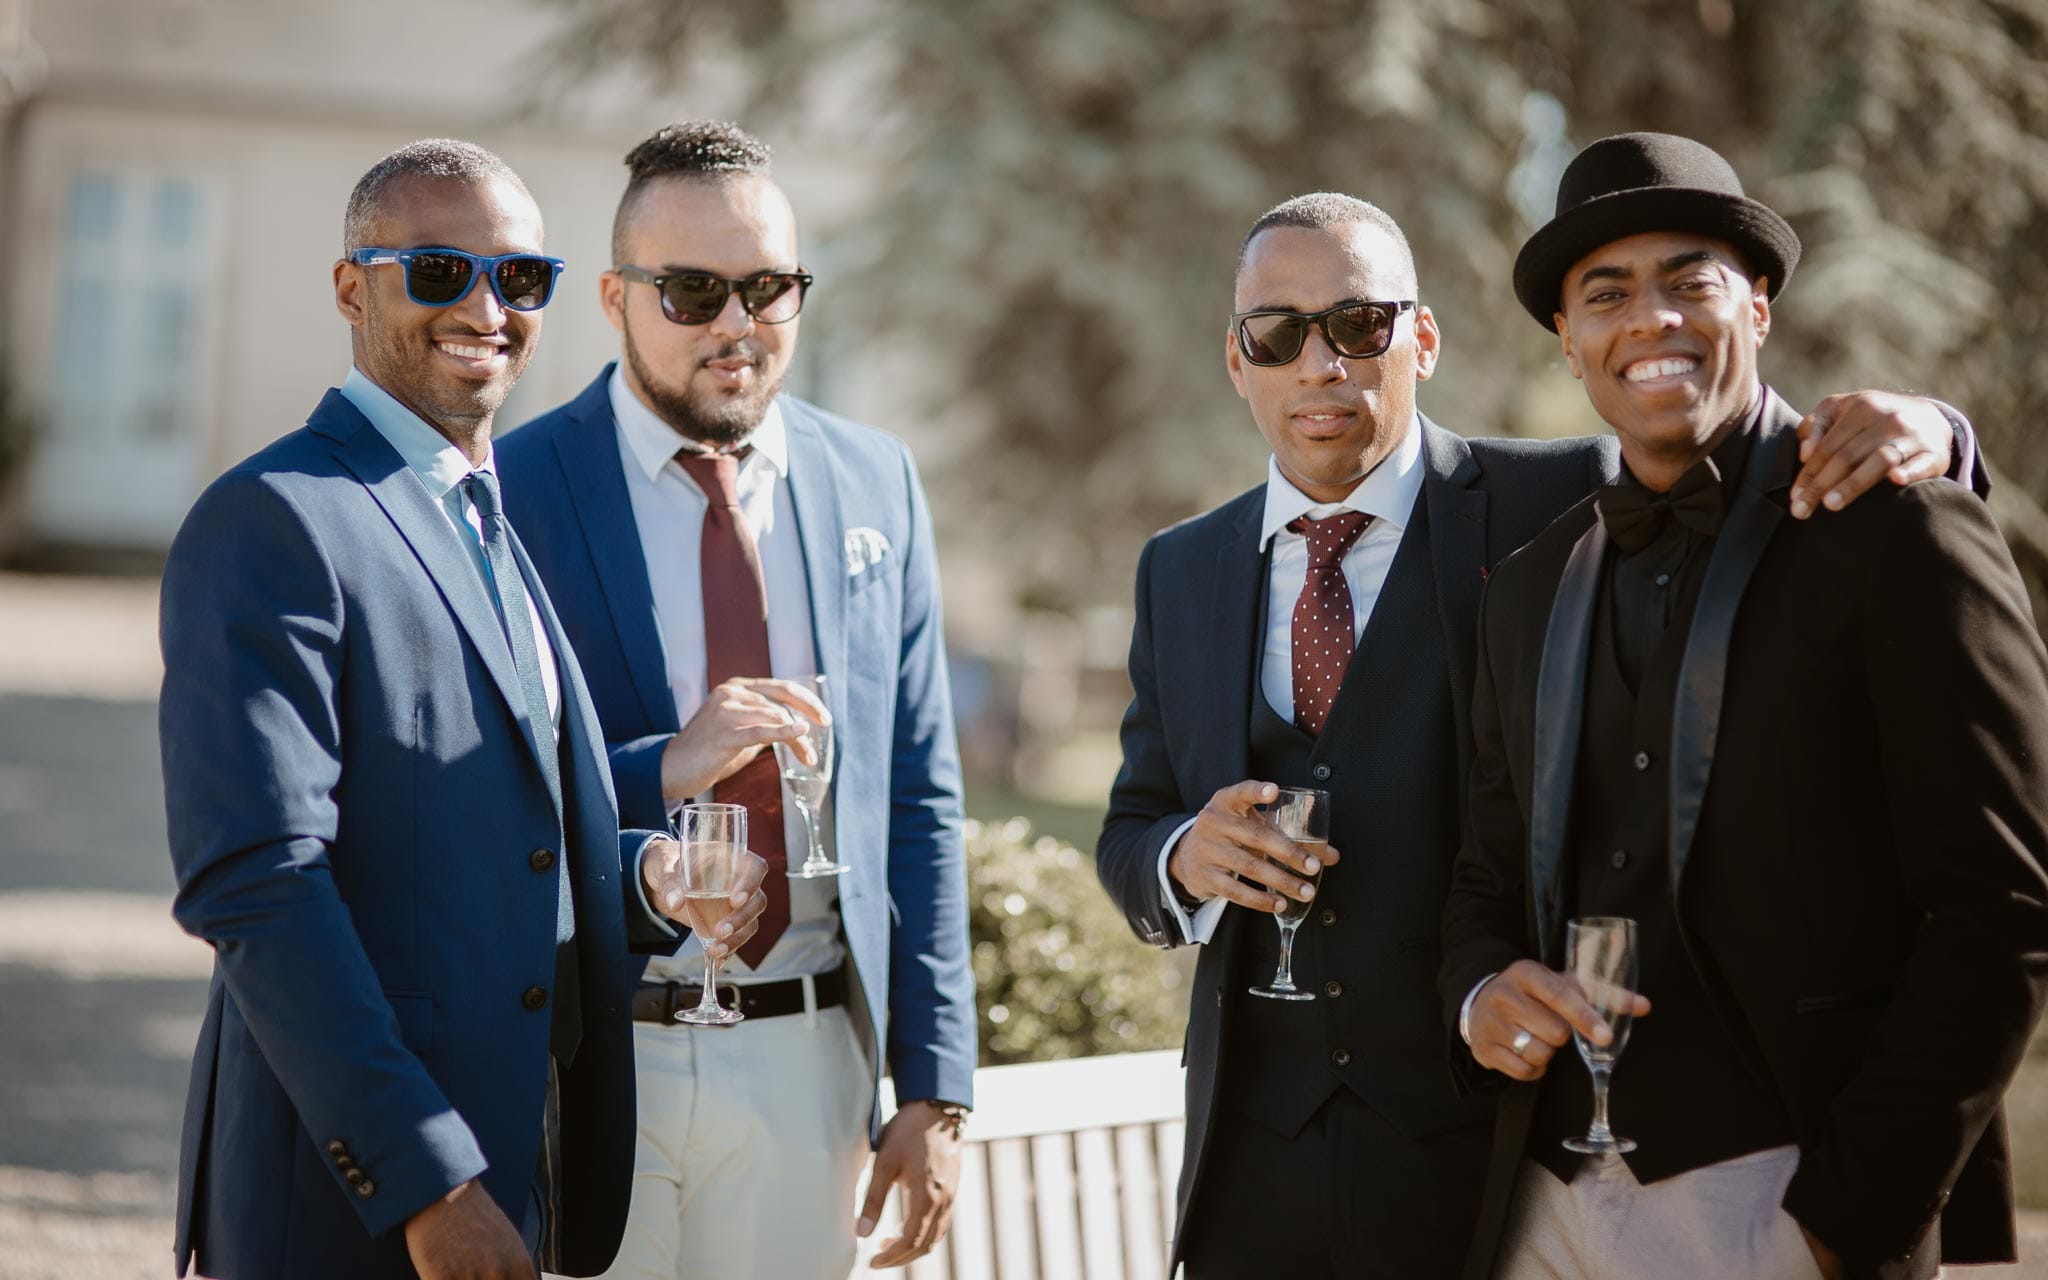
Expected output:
(736, 644)
(1322, 616)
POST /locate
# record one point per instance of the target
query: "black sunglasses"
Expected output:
(444, 277)
(1354, 330)
(696, 297)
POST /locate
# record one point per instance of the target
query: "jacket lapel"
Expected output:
(425, 528)
(1560, 714)
(1702, 680)
(1238, 610)
(821, 527)
(596, 480)
(1457, 537)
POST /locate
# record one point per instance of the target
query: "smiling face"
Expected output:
(711, 382)
(1330, 420)
(1664, 329)
(453, 366)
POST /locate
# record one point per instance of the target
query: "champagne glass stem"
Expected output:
(1599, 1132)
(815, 855)
(708, 1002)
(1283, 980)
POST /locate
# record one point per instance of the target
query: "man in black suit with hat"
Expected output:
(1324, 1137)
(1808, 758)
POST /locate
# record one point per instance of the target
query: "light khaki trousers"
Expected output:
(752, 1138)
(1715, 1223)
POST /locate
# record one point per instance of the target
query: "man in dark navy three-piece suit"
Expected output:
(388, 804)
(1326, 1138)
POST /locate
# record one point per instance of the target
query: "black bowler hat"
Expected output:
(1637, 182)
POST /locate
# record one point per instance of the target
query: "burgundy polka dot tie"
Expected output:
(1322, 616)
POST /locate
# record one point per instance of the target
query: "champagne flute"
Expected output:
(1601, 960)
(807, 785)
(1303, 816)
(714, 836)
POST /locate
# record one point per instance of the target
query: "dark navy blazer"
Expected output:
(877, 631)
(358, 818)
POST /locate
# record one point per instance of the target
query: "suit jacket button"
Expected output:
(356, 1177)
(1329, 916)
(1642, 761)
(541, 860)
(366, 1189)
(535, 997)
(337, 1148)
(1333, 988)
(1342, 1057)
(1321, 773)
(343, 1162)
(1619, 858)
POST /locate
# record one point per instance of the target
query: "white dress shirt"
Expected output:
(441, 469)
(668, 511)
(1388, 494)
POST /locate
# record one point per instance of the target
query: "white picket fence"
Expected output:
(1068, 1173)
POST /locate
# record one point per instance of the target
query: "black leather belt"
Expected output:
(662, 1001)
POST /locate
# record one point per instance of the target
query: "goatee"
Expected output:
(721, 423)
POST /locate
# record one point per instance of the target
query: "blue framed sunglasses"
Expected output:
(439, 277)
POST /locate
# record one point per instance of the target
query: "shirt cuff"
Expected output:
(1201, 926)
(640, 887)
(1465, 1009)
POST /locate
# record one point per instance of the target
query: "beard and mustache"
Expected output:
(719, 421)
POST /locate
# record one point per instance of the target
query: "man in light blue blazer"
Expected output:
(389, 810)
(711, 544)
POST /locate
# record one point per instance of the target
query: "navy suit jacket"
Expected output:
(356, 809)
(878, 634)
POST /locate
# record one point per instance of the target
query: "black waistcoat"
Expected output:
(1369, 946)
(1688, 1087)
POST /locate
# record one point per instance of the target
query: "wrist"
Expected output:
(935, 1113)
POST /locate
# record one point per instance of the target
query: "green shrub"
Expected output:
(1057, 970)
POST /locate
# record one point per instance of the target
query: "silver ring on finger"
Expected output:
(1520, 1042)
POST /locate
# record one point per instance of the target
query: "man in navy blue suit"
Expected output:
(711, 544)
(388, 804)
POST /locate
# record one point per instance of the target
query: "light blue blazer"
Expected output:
(361, 829)
(878, 634)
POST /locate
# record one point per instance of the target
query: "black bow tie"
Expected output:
(1634, 516)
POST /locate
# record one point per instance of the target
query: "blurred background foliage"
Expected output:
(1058, 189)
(1057, 972)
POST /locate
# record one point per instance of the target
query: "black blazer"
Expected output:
(1859, 810)
(1194, 673)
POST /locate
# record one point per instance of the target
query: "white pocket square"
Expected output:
(864, 547)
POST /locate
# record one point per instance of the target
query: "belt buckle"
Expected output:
(731, 995)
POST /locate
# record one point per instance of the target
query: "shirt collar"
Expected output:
(653, 443)
(433, 458)
(1387, 493)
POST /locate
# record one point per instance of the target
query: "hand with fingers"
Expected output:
(661, 876)
(739, 719)
(1850, 443)
(1230, 853)
(920, 1148)
(465, 1236)
(1526, 1013)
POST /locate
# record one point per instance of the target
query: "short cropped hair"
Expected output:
(427, 158)
(712, 149)
(1321, 210)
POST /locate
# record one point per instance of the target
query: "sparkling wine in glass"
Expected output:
(714, 836)
(1303, 816)
(807, 785)
(1601, 960)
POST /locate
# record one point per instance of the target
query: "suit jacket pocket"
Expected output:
(1840, 1003)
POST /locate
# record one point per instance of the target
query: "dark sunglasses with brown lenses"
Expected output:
(696, 297)
(1355, 330)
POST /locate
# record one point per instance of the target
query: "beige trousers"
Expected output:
(1714, 1223)
(752, 1138)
